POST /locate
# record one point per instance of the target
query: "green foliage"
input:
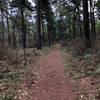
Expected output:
(98, 71)
(89, 73)
(49, 15)
(65, 49)
(21, 4)
(68, 65)
(13, 77)
(98, 7)
(98, 28)
(87, 56)
(88, 99)
(8, 96)
(62, 11)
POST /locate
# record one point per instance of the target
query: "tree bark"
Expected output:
(39, 45)
(23, 30)
(3, 32)
(79, 22)
(87, 39)
(8, 29)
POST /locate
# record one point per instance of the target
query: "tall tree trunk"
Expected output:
(60, 29)
(94, 24)
(92, 17)
(23, 29)
(43, 33)
(91, 20)
(74, 26)
(13, 36)
(3, 32)
(79, 22)
(8, 29)
(87, 39)
(49, 34)
(70, 26)
(39, 45)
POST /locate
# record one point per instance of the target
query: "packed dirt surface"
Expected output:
(51, 83)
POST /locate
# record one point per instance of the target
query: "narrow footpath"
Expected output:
(52, 83)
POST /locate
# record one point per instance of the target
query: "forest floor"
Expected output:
(51, 74)
(83, 73)
(52, 83)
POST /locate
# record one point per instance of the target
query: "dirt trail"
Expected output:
(52, 83)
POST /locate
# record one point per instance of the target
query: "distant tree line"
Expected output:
(49, 21)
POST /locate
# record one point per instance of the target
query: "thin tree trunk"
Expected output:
(43, 39)
(69, 27)
(8, 28)
(74, 27)
(3, 34)
(13, 36)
